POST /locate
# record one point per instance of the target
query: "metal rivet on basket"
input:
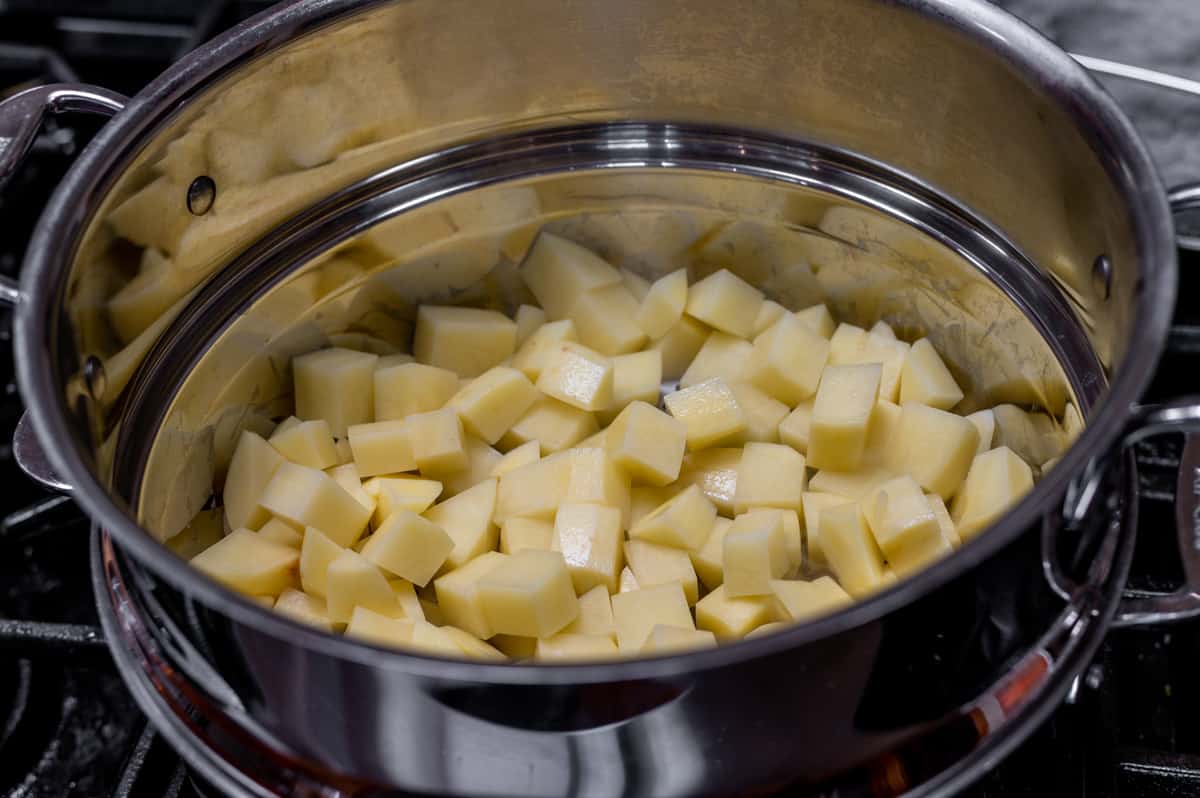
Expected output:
(201, 194)
(1102, 276)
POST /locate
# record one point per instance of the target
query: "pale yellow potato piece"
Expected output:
(529, 594)
(945, 521)
(595, 478)
(481, 460)
(730, 618)
(278, 531)
(597, 441)
(767, 629)
(627, 581)
(787, 361)
(249, 563)
(818, 319)
(770, 475)
(647, 443)
(433, 613)
(535, 353)
(636, 613)
(589, 537)
(793, 534)
(754, 552)
(725, 301)
(662, 306)
(638, 285)
(578, 376)
(850, 550)
(552, 424)
(493, 402)
(379, 629)
(471, 646)
(409, 546)
(671, 639)
(883, 329)
(851, 484)
(709, 412)
(514, 646)
(715, 472)
(794, 429)
(683, 522)
(885, 420)
(336, 385)
(458, 594)
(644, 499)
(344, 453)
(814, 503)
(526, 453)
(763, 413)
(557, 271)
(438, 442)
(604, 320)
(347, 476)
(925, 378)
(707, 561)
(985, 425)
(467, 519)
(307, 497)
(570, 647)
(805, 601)
(307, 443)
(397, 359)
(529, 318)
(595, 615)
(654, 565)
(407, 599)
(837, 436)
(769, 313)
(846, 345)
(722, 355)
(534, 490)
(408, 388)
(918, 554)
(430, 639)
(637, 377)
(467, 341)
(382, 447)
(902, 521)
(253, 465)
(997, 480)
(934, 447)
(301, 607)
(1034, 437)
(680, 346)
(525, 533)
(890, 354)
(401, 493)
(316, 553)
(353, 581)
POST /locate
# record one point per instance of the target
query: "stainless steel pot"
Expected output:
(318, 171)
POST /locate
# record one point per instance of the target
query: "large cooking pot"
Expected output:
(311, 176)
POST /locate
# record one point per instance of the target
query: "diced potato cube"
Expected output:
(579, 377)
(529, 318)
(433, 613)
(754, 553)
(409, 388)
(709, 412)
(525, 533)
(347, 476)
(249, 563)
(814, 503)
(529, 594)
(307, 443)
(595, 615)
(596, 479)
(637, 612)
(627, 581)
(467, 519)
(723, 356)
(534, 490)
(471, 646)
(514, 646)
(344, 453)
(282, 532)
(663, 304)
(316, 553)
(902, 521)
(481, 460)
(818, 319)
(890, 354)
(850, 549)
(387, 361)
(644, 499)
(253, 465)
(409, 546)
(604, 320)
(851, 484)
(804, 601)
(382, 630)
(671, 639)
(883, 329)
(985, 425)
(336, 385)
(767, 629)
(589, 537)
(493, 402)
(680, 346)
(934, 447)
(303, 608)
(383, 447)
(654, 565)
(918, 554)
(725, 301)
(557, 271)
(731, 618)
(429, 639)
(787, 361)
(707, 561)
(1034, 437)
(458, 594)
(353, 581)
(647, 443)
(996, 481)
(637, 377)
(552, 424)
(715, 472)
(846, 345)
(769, 313)
(638, 285)
(569, 647)
(945, 522)
(793, 535)
(526, 453)
(885, 419)
(684, 522)
(401, 493)
(926, 379)
(307, 497)
(438, 442)
(837, 436)
(763, 414)
(794, 429)
(467, 341)
(407, 599)
(535, 353)
(770, 475)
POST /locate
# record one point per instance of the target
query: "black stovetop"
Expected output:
(67, 724)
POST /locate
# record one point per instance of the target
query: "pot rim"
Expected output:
(59, 228)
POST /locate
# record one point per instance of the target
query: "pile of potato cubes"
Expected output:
(521, 489)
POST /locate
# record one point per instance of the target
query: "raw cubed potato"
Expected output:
(647, 443)
(382, 630)
(1034, 437)
(308, 443)
(429, 639)
(709, 412)
(662, 306)
(680, 346)
(837, 435)
(925, 378)
(438, 442)
(493, 402)
(344, 453)
(763, 413)
(902, 521)
(985, 425)
(638, 285)
(846, 345)
(934, 447)
(301, 607)
(307, 497)
(707, 561)
(533, 355)
(570, 647)
(481, 459)
(282, 532)
(793, 534)
(534, 490)
(769, 313)
(794, 429)
(644, 499)
(818, 319)
(253, 465)
(596, 479)
(458, 594)
(589, 537)
(883, 329)
(684, 522)
(850, 549)
(382, 447)
(472, 646)
(814, 503)
(526, 453)
(770, 475)
(285, 425)
(249, 563)
(467, 519)
(316, 553)
(557, 271)
(595, 615)
(945, 522)
(851, 484)
(787, 361)
(604, 320)
(732, 618)
(397, 359)
(336, 385)
(885, 418)
(578, 376)
(890, 354)
(551, 424)
(514, 646)
(671, 639)
(725, 301)
(353, 581)
(467, 341)
(997, 479)
(433, 613)
(919, 554)
(410, 388)
(409, 546)
(637, 377)
(529, 318)
(767, 629)
(636, 613)
(401, 493)
(654, 565)
(627, 582)
(407, 599)
(529, 594)
(715, 472)
(754, 553)
(722, 355)
(347, 477)
(804, 601)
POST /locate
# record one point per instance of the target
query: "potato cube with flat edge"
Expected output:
(529, 318)
(985, 425)
(249, 563)
(818, 319)
(589, 537)
(458, 594)
(846, 345)
(278, 531)
(671, 640)
(851, 484)
(578, 376)
(401, 493)
(347, 476)
(557, 271)
(663, 304)
(493, 402)
(680, 346)
(303, 608)
(885, 417)
(604, 320)
(850, 549)
(715, 472)
(595, 615)
(627, 581)
(683, 522)
(409, 388)
(770, 475)
(890, 354)
(725, 301)
(382, 447)
(407, 599)
(925, 378)
(526, 453)
(571, 647)
(638, 285)
(534, 490)
(316, 552)
(308, 443)
(379, 629)
(471, 646)
(647, 443)
(637, 377)
(793, 430)
(996, 480)
(533, 355)
(481, 459)
(722, 355)
(336, 385)
(467, 519)
(934, 447)
(787, 361)
(514, 646)
(732, 618)
(409, 546)
(525, 533)
(710, 413)
(553, 425)
(655, 565)
(808, 600)
(467, 341)
(596, 479)
(901, 518)
(768, 314)
(529, 594)
(438, 442)
(636, 613)
(763, 413)
(644, 499)
(307, 497)
(841, 416)
(945, 522)
(253, 465)
(814, 503)
(707, 561)
(793, 534)
(754, 552)
(353, 581)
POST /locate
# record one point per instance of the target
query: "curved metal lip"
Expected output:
(59, 227)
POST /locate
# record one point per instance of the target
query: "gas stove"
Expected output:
(1130, 727)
